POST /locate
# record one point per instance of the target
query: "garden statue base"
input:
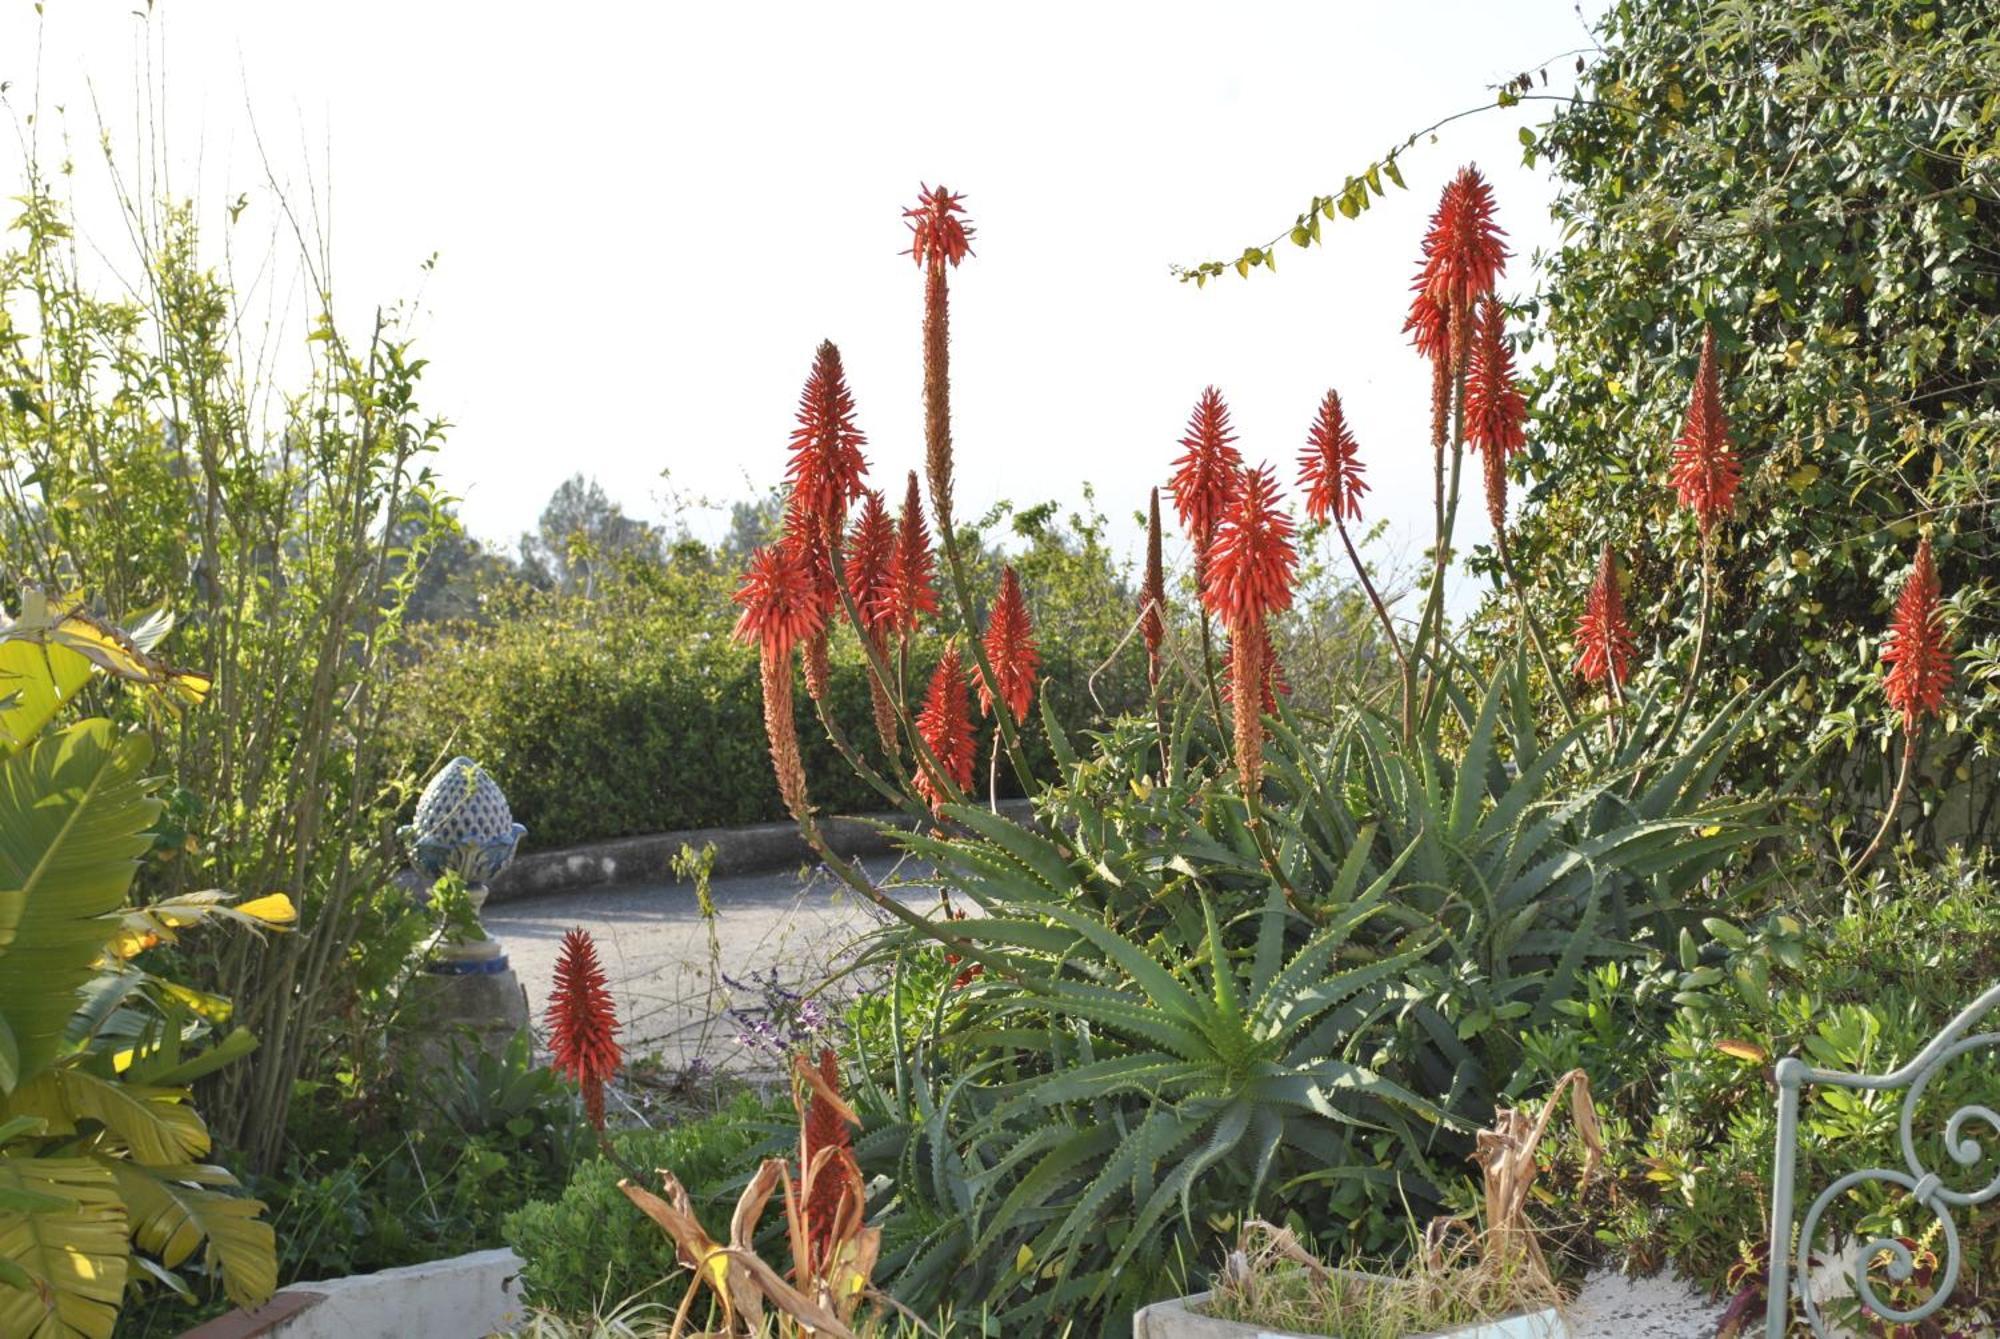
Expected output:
(451, 999)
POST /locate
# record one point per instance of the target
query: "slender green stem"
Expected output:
(1533, 626)
(1895, 803)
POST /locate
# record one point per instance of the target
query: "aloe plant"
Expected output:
(1182, 1022)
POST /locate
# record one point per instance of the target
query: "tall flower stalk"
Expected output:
(1705, 473)
(1464, 254)
(870, 545)
(945, 723)
(1604, 643)
(940, 239)
(1330, 473)
(1918, 653)
(822, 478)
(1207, 476)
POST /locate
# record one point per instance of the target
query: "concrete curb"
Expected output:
(649, 859)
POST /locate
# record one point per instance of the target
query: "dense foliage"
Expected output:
(1818, 183)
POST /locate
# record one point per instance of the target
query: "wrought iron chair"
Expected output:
(1790, 1265)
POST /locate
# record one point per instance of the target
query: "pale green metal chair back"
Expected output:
(1791, 1262)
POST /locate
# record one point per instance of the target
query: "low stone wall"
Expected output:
(649, 859)
(465, 1297)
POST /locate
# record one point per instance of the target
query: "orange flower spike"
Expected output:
(781, 604)
(938, 235)
(1464, 254)
(781, 608)
(870, 543)
(1496, 413)
(910, 593)
(1253, 560)
(1603, 638)
(824, 1127)
(1918, 647)
(1330, 468)
(827, 465)
(945, 723)
(1010, 650)
(1705, 470)
(1205, 476)
(583, 1022)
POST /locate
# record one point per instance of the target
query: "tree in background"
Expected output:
(1821, 185)
(580, 532)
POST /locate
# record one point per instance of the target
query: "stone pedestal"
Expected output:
(482, 1008)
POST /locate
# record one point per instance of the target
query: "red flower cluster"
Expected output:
(908, 594)
(1705, 471)
(1010, 650)
(824, 1128)
(583, 1022)
(937, 234)
(827, 464)
(1463, 254)
(1603, 637)
(1496, 414)
(1918, 647)
(945, 723)
(1205, 477)
(1252, 559)
(869, 545)
(1330, 468)
(781, 606)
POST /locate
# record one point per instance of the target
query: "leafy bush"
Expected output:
(102, 1180)
(587, 1247)
(1816, 181)
(1861, 991)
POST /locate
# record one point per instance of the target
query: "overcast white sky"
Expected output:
(646, 216)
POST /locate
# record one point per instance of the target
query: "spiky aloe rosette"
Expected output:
(583, 1022)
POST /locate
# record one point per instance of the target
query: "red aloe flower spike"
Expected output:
(1205, 477)
(909, 594)
(1918, 647)
(781, 605)
(1252, 560)
(1153, 594)
(827, 464)
(1496, 413)
(1463, 255)
(1705, 471)
(945, 723)
(869, 545)
(583, 1022)
(1330, 468)
(1603, 637)
(824, 1127)
(1010, 650)
(781, 608)
(937, 235)
(1249, 577)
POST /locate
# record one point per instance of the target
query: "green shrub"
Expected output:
(1816, 181)
(589, 1248)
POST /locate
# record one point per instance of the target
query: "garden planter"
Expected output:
(1181, 1318)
